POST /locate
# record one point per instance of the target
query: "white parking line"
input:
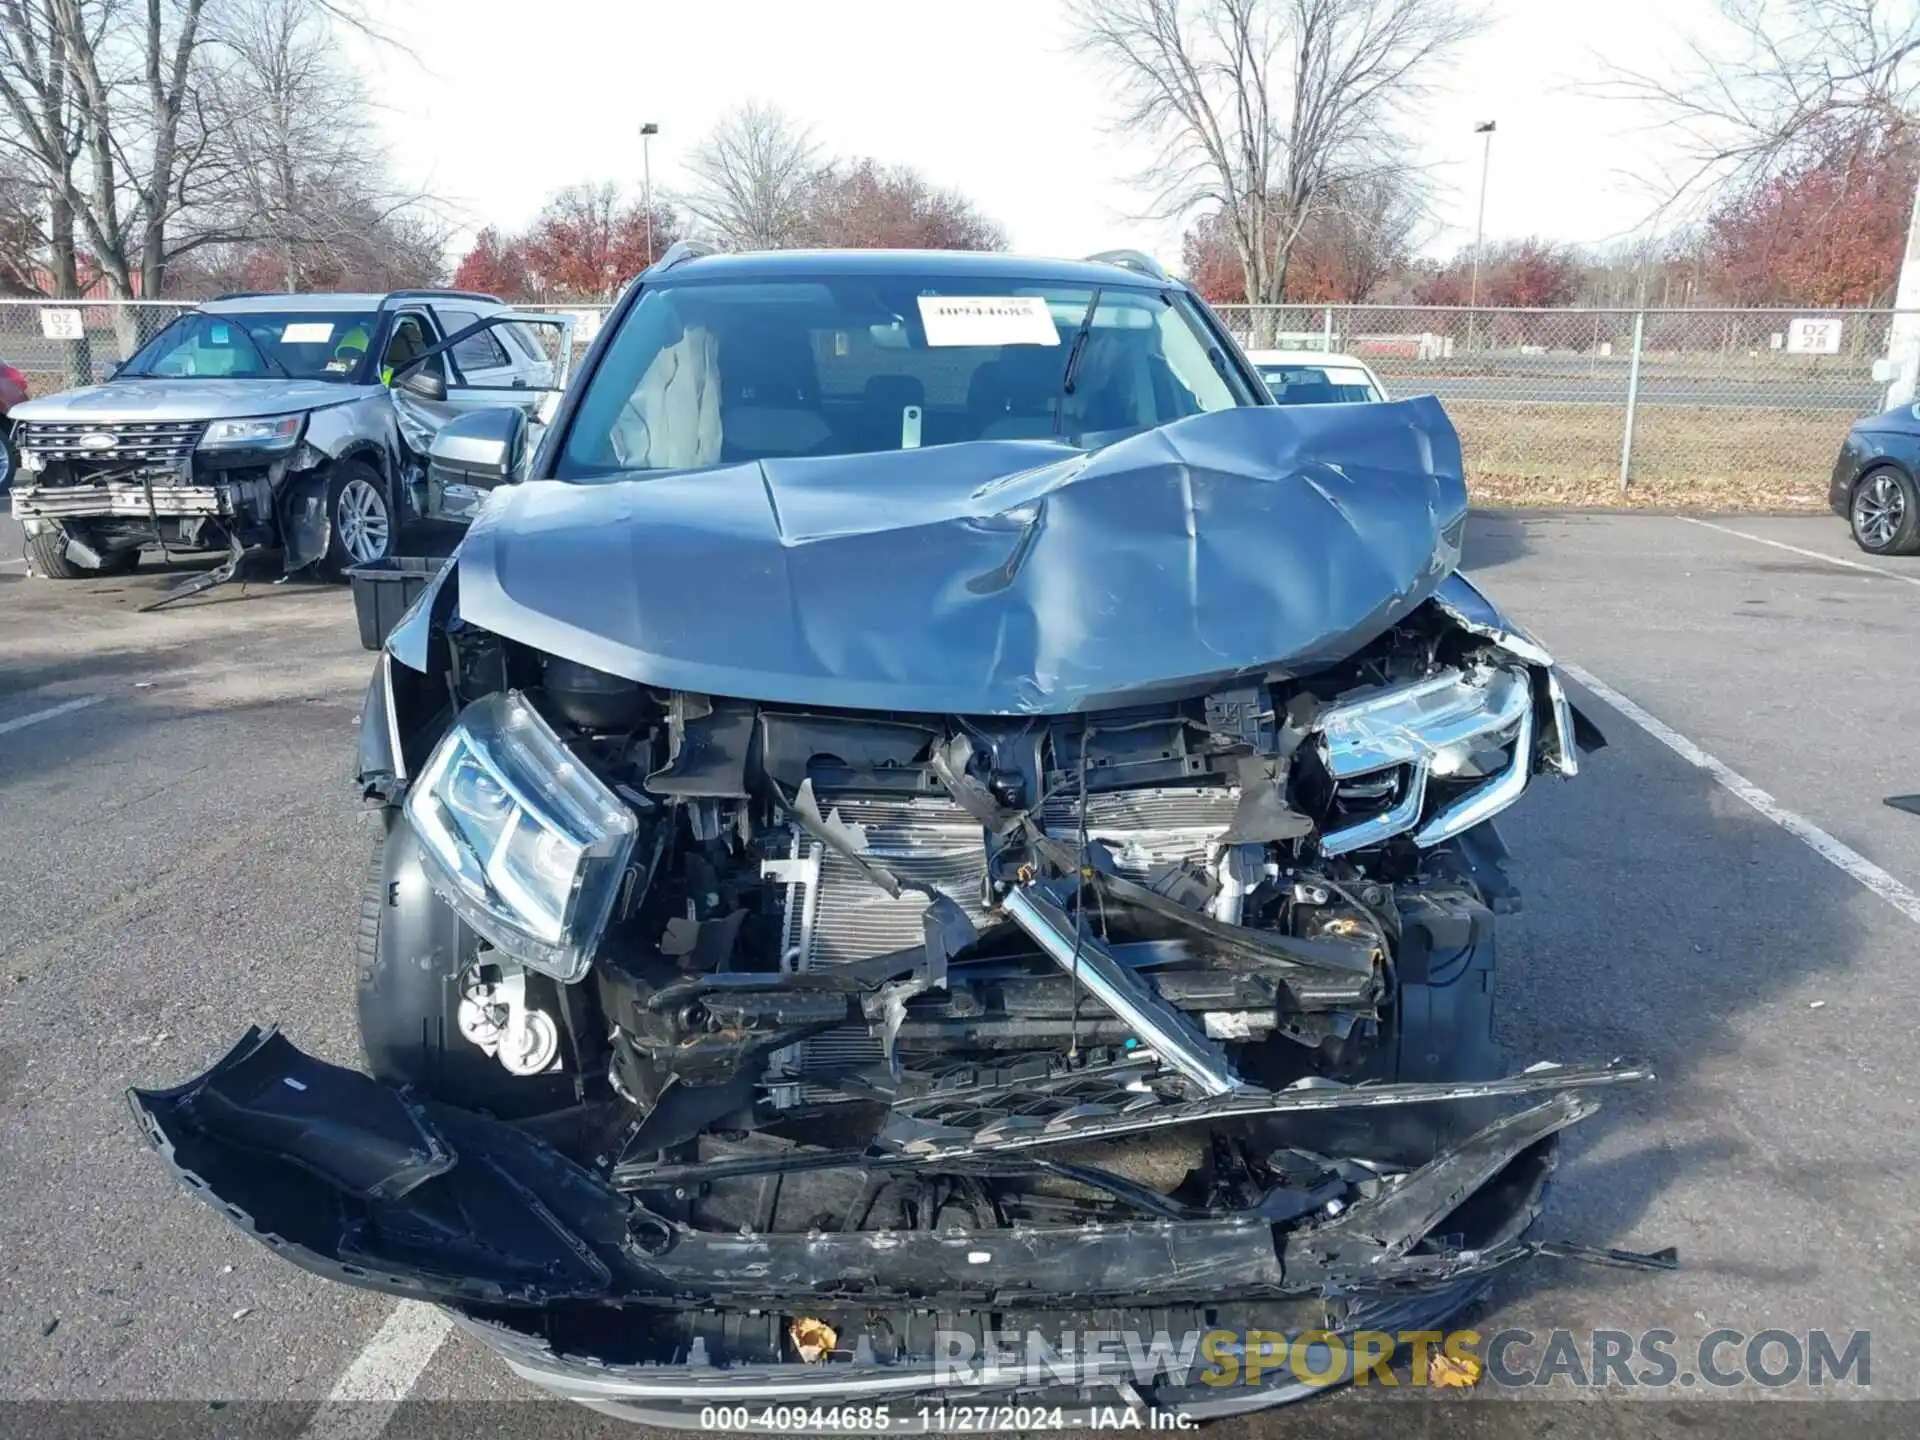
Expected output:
(1841, 856)
(364, 1398)
(66, 707)
(1801, 550)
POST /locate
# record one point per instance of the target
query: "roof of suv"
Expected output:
(352, 300)
(970, 264)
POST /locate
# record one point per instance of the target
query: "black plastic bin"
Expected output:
(383, 590)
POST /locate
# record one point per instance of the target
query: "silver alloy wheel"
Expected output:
(1878, 508)
(362, 521)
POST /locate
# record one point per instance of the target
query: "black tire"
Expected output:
(1884, 513)
(410, 950)
(353, 487)
(47, 553)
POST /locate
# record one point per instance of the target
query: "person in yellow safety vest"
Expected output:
(351, 348)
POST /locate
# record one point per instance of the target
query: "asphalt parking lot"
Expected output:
(180, 854)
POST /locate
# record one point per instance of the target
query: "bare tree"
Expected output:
(862, 204)
(132, 73)
(1776, 85)
(1262, 107)
(1367, 229)
(753, 176)
(155, 127)
(304, 175)
(40, 137)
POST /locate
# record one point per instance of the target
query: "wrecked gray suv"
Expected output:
(939, 825)
(272, 421)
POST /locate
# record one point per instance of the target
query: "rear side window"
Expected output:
(479, 351)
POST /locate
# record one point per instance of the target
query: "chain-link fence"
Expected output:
(58, 344)
(1566, 401)
(1549, 403)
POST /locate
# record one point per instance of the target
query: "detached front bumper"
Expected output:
(1042, 1387)
(595, 1284)
(119, 501)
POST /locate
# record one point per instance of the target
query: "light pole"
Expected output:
(1480, 226)
(647, 132)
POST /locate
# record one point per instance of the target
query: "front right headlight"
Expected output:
(268, 432)
(520, 838)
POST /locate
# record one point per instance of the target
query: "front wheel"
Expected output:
(360, 521)
(47, 554)
(1885, 514)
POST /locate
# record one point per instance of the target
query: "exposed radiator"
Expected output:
(835, 915)
(1147, 828)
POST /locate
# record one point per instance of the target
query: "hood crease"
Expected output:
(991, 577)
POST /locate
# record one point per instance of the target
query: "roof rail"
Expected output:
(240, 295)
(432, 293)
(681, 250)
(1137, 261)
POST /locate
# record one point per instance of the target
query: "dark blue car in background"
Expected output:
(1874, 485)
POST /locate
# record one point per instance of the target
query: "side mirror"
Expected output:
(426, 381)
(470, 455)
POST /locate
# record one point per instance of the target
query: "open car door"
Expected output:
(434, 390)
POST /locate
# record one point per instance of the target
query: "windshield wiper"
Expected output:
(1073, 361)
(261, 351)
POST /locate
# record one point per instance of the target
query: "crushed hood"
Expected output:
(152, 401)
(994, 577)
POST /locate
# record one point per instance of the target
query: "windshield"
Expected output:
(715, 373)
(257, 345)
(1318, 384)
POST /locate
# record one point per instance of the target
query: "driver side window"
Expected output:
(408, 340)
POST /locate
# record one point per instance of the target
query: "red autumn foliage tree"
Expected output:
(1531, 275)
(865, 205)
(1518, 274)
(586, 243)
(1827, 233)
(1360, 234)
(1443, 284)
(495, 265)
(1207, 256)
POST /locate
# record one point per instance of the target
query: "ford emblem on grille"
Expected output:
(98, 440)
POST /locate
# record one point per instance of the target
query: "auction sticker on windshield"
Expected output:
(307, 332)
(987, 320)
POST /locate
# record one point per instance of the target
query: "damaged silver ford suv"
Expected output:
(938, 812)
(271, 421)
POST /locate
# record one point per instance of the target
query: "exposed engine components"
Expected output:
(496, 1017)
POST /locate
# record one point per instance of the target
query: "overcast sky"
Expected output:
(507, 100)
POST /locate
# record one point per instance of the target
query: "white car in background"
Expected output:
(1316, 377)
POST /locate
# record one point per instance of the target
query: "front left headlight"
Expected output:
(268, 432)
(520, 838)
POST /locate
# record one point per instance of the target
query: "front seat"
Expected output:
(769, 397)
(1013, 398)
(406, 344)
